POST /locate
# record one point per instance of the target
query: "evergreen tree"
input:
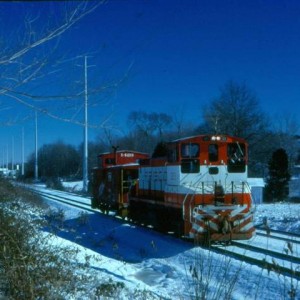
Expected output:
(278, 179)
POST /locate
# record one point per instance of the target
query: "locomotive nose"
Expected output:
(225, 224)
(219, 194)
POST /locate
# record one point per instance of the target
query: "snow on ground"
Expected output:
(155, 266)
(280, 216)
(74, 186)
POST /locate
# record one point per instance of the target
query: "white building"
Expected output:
(4, 172)
(294, 184)
(257, 187)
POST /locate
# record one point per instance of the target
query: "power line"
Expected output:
(85, 152)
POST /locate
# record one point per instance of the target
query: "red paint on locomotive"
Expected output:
(114, 177)
(198, 189)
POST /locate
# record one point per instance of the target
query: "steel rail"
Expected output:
(292, 271)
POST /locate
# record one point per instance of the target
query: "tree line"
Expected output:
(235, 111)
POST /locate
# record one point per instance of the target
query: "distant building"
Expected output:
(294, 184)
(257, 188)
(4, 172)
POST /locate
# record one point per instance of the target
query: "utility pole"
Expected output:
(3, 163)
(23, 160)
(7, 157)
(12, 154)
(36, 168)
(85, 146)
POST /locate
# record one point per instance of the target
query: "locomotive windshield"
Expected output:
(190, 154)
(190, 150)
(213, 152)
(236, 153)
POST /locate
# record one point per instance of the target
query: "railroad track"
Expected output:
(280, 259)
(272, 265)
(64, 197)
(280, 235)
(275, 252)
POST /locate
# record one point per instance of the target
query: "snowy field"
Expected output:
(153, 266)
(282, 216)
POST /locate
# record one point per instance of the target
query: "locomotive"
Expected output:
(197, 189)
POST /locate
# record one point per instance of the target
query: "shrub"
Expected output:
(109, 289)
(34, 267)
(54, 183)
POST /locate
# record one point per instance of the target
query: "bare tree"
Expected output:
(161, 121)
(142, 122)
(236, 112)
(30, 58)
(178, 120)
(148, 129)
(56, 160)
(150, 123)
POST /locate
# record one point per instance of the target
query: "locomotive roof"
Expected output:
(123, 165)
(208, 135)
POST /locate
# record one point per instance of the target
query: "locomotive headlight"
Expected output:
(215, 138)
(218, 138)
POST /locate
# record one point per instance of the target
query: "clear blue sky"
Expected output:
(163, 55)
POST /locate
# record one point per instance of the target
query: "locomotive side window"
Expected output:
(190, 166)
(110, 161)
(213, 152)
(190, 150)
(236, 157)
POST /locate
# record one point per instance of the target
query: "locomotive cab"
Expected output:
(199, 191)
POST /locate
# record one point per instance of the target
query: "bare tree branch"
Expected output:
(56, 117)
(76, 15)
(17, 72)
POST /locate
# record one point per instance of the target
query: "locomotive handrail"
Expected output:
(196, 184)
(183, 206)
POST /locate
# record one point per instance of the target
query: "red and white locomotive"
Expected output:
(198, 189)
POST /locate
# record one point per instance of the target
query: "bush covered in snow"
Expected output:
(35, 264)
(34, 267)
